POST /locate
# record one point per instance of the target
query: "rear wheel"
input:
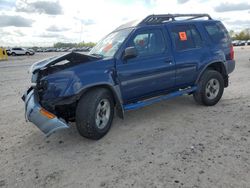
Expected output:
(210, 88)
(94, 113)
(27, 53)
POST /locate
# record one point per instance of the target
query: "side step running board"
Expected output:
(140, 104)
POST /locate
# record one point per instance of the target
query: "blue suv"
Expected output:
(139, 63)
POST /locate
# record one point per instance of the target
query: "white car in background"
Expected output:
(21, 51)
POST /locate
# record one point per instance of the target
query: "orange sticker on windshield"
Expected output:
(107, 48)
(183, 36)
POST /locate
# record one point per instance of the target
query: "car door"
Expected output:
(188, 52)
(18, 51)
(22, 51)
(13, 50)
(152, 71)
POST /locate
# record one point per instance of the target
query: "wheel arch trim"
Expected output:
(224, 71)
(115, 91)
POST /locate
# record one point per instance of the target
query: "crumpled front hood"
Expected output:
(72, 57)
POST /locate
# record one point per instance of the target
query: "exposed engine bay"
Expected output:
(54, 64)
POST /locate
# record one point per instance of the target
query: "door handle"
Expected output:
(170, 62)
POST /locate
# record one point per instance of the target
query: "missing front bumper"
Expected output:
(47, 123)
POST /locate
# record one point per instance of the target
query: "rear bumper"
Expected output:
(33, 114)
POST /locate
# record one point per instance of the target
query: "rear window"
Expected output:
(217, 33)
(186, 37)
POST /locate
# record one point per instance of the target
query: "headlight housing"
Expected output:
(53, 88)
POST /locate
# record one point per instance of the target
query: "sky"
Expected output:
(45, 22)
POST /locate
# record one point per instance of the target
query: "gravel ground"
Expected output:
(174, 143)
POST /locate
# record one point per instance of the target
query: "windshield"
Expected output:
(108, 46)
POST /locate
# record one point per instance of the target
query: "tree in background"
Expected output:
(83, 44)
(242, 35)
(73, 45)
(64, 45)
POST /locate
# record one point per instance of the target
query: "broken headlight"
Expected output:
(54, 88)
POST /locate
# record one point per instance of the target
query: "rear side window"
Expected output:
(217, 33)
(186, 37)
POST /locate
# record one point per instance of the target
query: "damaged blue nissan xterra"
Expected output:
(139, 63)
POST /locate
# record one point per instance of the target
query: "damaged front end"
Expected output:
(46, 104)
(43, 119)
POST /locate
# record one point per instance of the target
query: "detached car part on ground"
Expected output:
(138, 64)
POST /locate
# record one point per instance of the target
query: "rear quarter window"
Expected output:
(217, 33)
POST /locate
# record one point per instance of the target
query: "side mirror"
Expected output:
(130, 52)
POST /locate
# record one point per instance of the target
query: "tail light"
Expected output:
(231, 52)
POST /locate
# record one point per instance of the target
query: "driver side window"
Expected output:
(149, 42)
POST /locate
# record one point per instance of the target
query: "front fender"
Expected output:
(91, 75)
(103, 75)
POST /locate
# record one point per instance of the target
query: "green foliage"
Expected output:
(83, 44)
(243, 35)
(73, 45)
(64, 45)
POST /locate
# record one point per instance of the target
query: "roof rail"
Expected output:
(161, 18)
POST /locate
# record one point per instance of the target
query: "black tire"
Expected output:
(206, 95)
(27, 53)
(86, 113)
(13, 54)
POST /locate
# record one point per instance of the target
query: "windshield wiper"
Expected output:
(97, 55)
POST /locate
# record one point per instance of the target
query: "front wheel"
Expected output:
(94, 113)
(210, 88)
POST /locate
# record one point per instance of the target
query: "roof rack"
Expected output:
(161, 18)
